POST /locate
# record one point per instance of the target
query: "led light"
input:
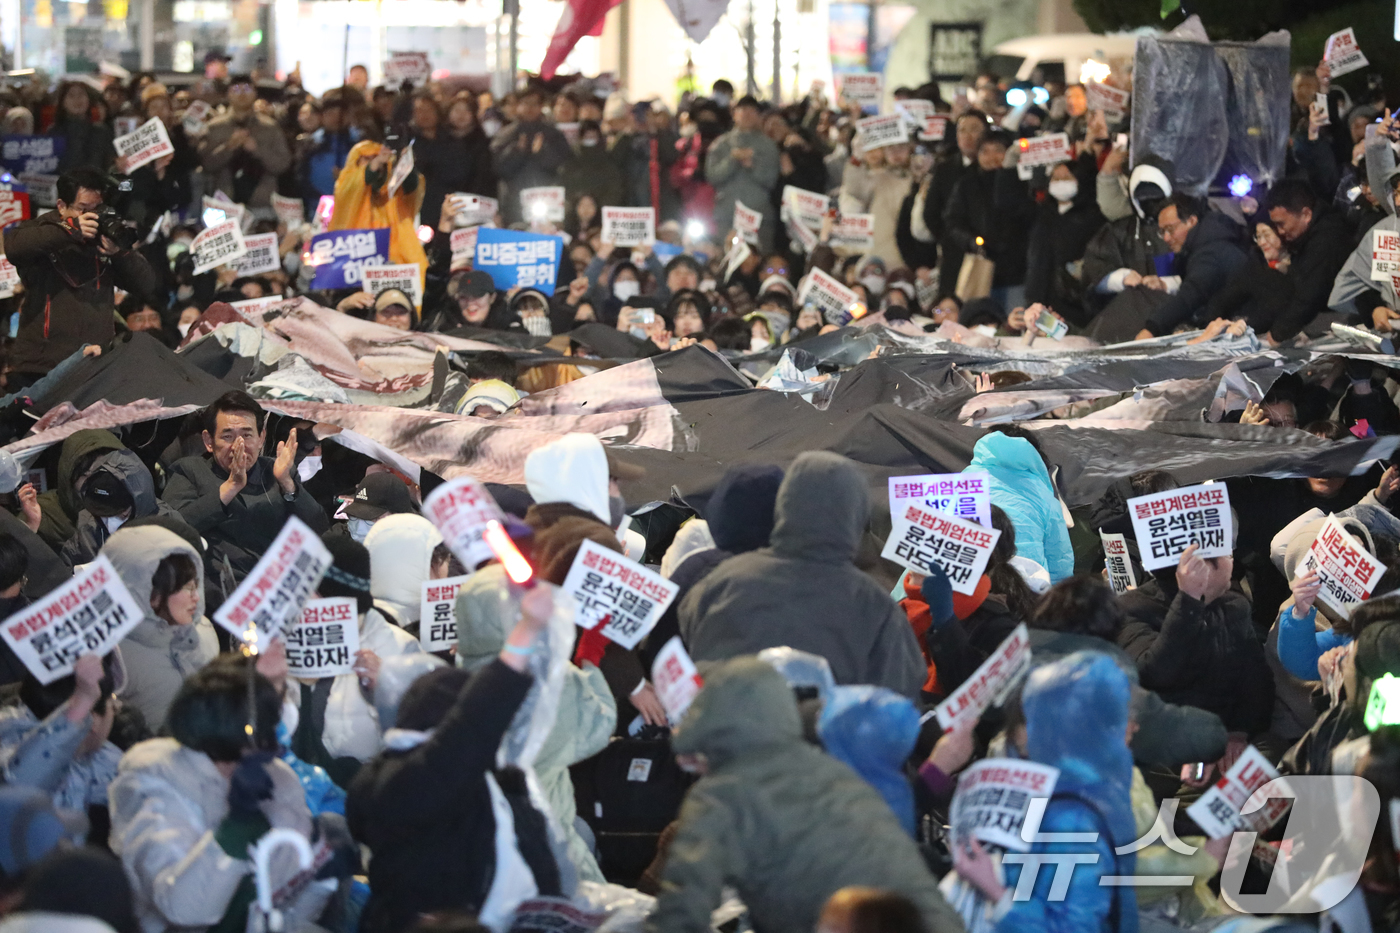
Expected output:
(1040, 96)
(515, 564)
(425, 233)
(539, 210)
(255, 37)
(695, 229)
(858, 311)
(1383, 708)
(213, 216)
(1016, 97)
(1241, 185)
(1093, 71)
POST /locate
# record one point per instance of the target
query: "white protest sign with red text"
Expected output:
(964, 495)
(290, 211)
(473, 209)
(216, 245)
(148, 143)
(1044, 150)
(1118, 562)
(855, 231)
(9, 277)
(992, 681)
(629, 226)
(675, 678)
(935, 128)
(1167, 523)
(1111, 100)
(835, 301)
(1342, 53)
(805, 207)
(1218, 810)
(993, 797)
(271, 597)
(463, 244)
(922, 538)
(747, 222)
(1347, 571)
(406, 277)
(914, 111)
(14, 207)
(607, 585)
(1385, 254)
(323, 642)
(878, 132)
(437, 623)
(460, 509)
(261, 255)
(544, 203)
(863, 89)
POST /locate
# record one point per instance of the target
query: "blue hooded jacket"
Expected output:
(873, 730)
(1076, 720)
(1020, 486)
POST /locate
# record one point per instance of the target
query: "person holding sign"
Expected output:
(451, 152)
(363, 201)
(743, 165)
(1021, 485)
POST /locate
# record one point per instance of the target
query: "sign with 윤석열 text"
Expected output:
(864, 89)
(323, 642)
(990, 683)
(608, 585)
(964, 495)
(14, 207)
(1347, 570)
(1118, 562)
(855, 231)
(1217, 812)
(272, 596)
(993, 797)
(921, 538)
(406, 277)
(1044, 150)
(516, 258)
(217, 245)
(543, 203)
(148, 143)
(437, 622)
(290, 211)
(38, 155)
(1167, 523)
(89, 614)
(676, 679)
(460, 509)
(834, 300)
(805, 207)
(341, 256)
(629, 226)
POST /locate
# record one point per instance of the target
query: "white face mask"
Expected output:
(625, 290)
(184, 329)
(588, 142)
(492, 126)
(1064, 190)
(308, 468)
(113, 522)
(359, 529)
(757, 343)
(876, 284)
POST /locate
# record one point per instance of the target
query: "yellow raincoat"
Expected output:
(357, 207)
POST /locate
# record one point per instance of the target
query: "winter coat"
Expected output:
(646, 160)
(804, 591)
(873, 731)
(68, 290)
(958, 647)
(451, 165)
(1130, 242)
(247, 177)
(1256, 292)
(946, 175)
(892, 186)
(1059, 240)
(1196, 655)
(733, 182)
(158, 655)
(167, 803)
(525, 168)
(777, 819)
(91, 533)
(593, 171)
(1317, 256)
(41, 755)
(400, 561)
(1354, 292)
(1214, 251)
(994, 206)
(1021, 487)
(61, 505)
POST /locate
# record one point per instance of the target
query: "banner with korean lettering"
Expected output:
(1347, 571)
(515, 258)
(1118, 562)
(836, 302)
(607, 585)
(993, 797)
(1385, 254)
(964, 495)
(990, 683)
(1111, 100)
(629, 226)
(406, 277)
(854, 231)
(1217, 811)
(935, 128)
(878, 132)
(805, 207)
(217, 245)
(463, 243)
(921, 538)
(437, 623)
(1342, 54)
(460, 509)
(1167, 523)
(271, 597)
(148, 143)
(914, 111)
(90, 614)
(290, 211)
(323, 642)
(340, 256)
(1044, 150)
(218, 208)
(37, 155)
(545, 203)
(261, 256)
(864, 89)
(676, 679)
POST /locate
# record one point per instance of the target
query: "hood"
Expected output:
(1153, 170)
(740, 510)
(873, 730)
(617, 269)
(127, 467)
(400, 554)
(745, 706)
(78, 444)
(821, 510)
(692, 538)
(135, 553)
(573, 469)
(1005, 457)
(1076, 720)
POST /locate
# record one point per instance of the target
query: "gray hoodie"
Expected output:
(158, 655)
(804, 591)
(1355, 276)
(127, 467)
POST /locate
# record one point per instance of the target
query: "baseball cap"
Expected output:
(380, 494)
(393, 296)
(104, 495)
(473, 284)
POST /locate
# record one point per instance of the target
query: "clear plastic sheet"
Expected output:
(801, 669)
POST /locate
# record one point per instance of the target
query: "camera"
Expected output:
(114, 227)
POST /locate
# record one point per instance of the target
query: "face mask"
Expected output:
(589, 142)
(184, 329)
(308, 468)
(492, 127)
(876, 283)
(113, 522)
(722, 98)
(359, 529)
(1064, 190)
(625, 290)
(757, 343)
(617, 510)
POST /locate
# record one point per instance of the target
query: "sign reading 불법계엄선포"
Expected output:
(965, 495)
(406, 277)
(261, 255)
(1167, 523)
(1118, 562)
(836, 302)
(437, 621)
(747, 222)
(217, 245)
(324, 640)
(993, 797)
(273, 594)
(608, 585)
(921, 538)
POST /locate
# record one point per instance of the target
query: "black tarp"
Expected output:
(137, 366)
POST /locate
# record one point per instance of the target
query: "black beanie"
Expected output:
(427, 699)
(740, 510)
(84, 881)
(348, 574)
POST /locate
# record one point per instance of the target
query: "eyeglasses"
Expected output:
(192, 588)
(1171, 228)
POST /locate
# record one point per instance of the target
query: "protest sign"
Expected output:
(963, 495)
(218, 209)
(993, 797)
(1342, 53)
(511, 258)
(89, 614)
(196, 118)
(43, 189)
(935, 128)
(803, 235)
(217, 245)
(990, 683)
(1385, 254)
(1111, 100)
(1347, 571)
(473, 209)
(1044, 150)
(271, 597)
(253, 306)
(544, 203)
(323, 642)
(864, 89)
(341, 256)
(14, 207)
(146, 144)
(629, 226)
(914, 111)
(1217, 812)
(460, 509)
(855, 231)
(675, 678)
(736, 257)
(403, 167)
(463, 243)
(607, 585)
(9, 277)
(437, 624)
(878, 132)
(1048, 324)
(321, 217)
(747, 222)
(1118, 562)
(290, 211)
(123, 126)
(921, 538)
(835, 301)
(32, 155)
(261, 256)
(404, 276)
(805, 207)
(1167, 523)
(407, 66)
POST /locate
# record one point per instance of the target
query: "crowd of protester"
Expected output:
(809, 782)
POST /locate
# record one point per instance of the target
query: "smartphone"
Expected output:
(1121, 141)
(1198, 771)
(644, 316)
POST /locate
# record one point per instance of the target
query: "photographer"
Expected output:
(69, 259)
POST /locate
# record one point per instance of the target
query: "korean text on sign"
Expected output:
(1218, 812)
(148, 143)
(676, 679)
(914, 111)
(607, 585)
(463, 244)
(965, 495)
(855, 231)
(261, 255)
(544, 203)
(747, 222)
(878, 132)
(990, 683)
(1342, 54)
(1385, 254)
(922, 538)
(935, 128)
(271, 597)
(629, 226)
(219, 244)
(993, 797)
(1118, 562)
(340, 256)
(863, 89)
(1111, 100)
(437, 625)
(37, 155)
(290, 211)
(323, 642)
(90, 614)
(805, 207)
(14, 206)
(1347, 571)
(1167, 523)
(513, 258)
(1045, 150)
(406, 277)
(460, 509)
(835, 301)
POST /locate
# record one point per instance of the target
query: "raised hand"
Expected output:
(284, 467)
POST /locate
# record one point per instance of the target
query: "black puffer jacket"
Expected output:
(1214, 250)
(996, 207)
